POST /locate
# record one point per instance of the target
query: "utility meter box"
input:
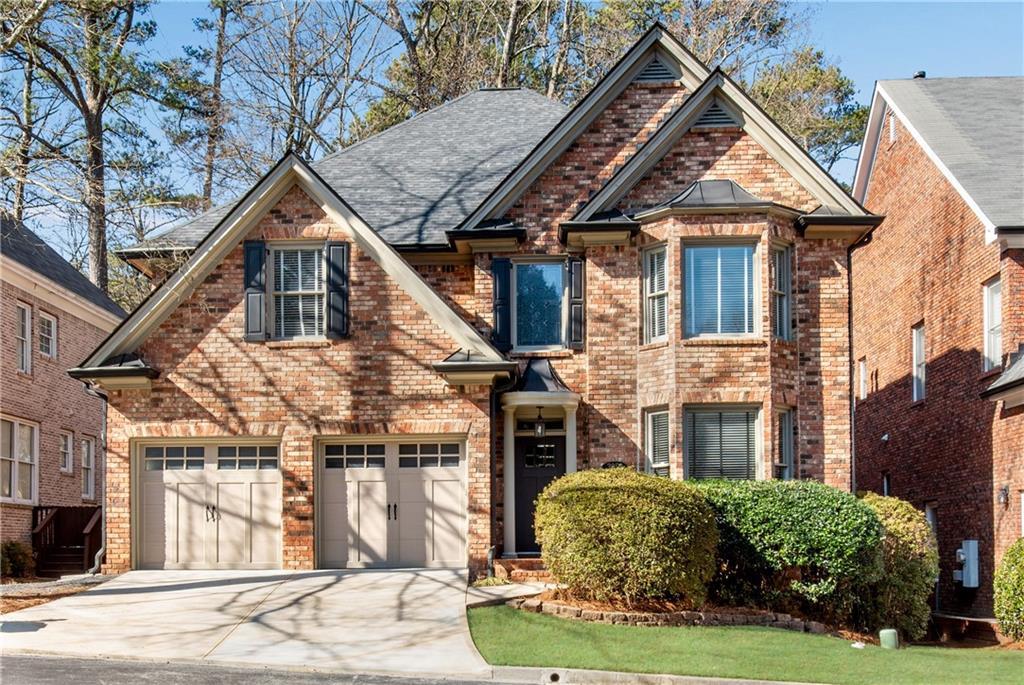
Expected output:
(967, 557)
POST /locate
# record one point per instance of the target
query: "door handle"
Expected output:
(214, 513)
(396, 511)
(209, 514)
(389, 512)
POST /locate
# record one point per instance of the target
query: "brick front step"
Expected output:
(522, 570)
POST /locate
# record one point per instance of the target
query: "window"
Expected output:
(298, 292)
(174, 458)
(785, 464)
(354, 456)
(892, 127)
(719, 284)
(67, 449)
(782, 287)
(931, 515)
(47, 335)
(862, 378)
(993, 325)
(22, 336)
(246, 457)
(538, 306)
(721, 444)
(886, 484)
(88, 468)
(656, 442)
(918, 362)
(655, 296)
(18, 447)
(433, 454)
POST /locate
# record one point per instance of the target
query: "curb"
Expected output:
(576, 676)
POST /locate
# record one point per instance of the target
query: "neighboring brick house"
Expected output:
(52, 441)
(381, 358)
(938, 315)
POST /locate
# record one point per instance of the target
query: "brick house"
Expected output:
(52, 318)
(938, 316)
(381, 358)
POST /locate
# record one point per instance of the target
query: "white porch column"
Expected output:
(509, 482)
(571, 455)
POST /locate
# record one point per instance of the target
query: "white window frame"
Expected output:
(15, 462)
(513, 302)
(862, 378)
(786, 449)
(52, 320)
(88, 447)
(66, 452)
(892, 127)
(759, 469)
(919, 361)
(782, 329)
(755, 277)
(649, 452)
(886, 484)
(23, 341)
(272, 292)
(650, 297)
(931, 515)
(993, 344)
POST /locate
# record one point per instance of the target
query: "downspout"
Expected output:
(496, 390)
(98, 559)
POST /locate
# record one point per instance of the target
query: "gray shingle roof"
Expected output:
(422, 177)
(20, 244)
(976, 127)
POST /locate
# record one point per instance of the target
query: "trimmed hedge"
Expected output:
(910, 564)
(793, 545)
(620, 534)
(1009, 592)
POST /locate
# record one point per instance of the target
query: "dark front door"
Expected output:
(538, 462)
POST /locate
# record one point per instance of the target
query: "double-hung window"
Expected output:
(721, 443)
(539, 296)
(993, 324)
(23, 337)
(18, 448)
(785, 462)
(67, 452)
(918, 361)
(298, 292)
(88, 468)
(782, 287)
(655, 295)
(47, 335)
(720, 283)
(656, 442)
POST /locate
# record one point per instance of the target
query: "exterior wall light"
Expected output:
(538, 426)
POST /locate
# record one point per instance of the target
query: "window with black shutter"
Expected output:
(721, 443)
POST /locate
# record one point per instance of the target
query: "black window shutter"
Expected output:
(576, 303)
(255, 290)
(337, 290)
(501, 336)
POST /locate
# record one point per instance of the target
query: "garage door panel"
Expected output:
(266, 523)
(157, 503)
(369, 530)
(231, 523)
(447, 522)
(334, 525)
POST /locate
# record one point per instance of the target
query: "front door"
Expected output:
(538, 462)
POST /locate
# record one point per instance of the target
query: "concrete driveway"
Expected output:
(398, 622)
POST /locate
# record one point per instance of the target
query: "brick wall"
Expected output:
(53, 401)
(927, 262)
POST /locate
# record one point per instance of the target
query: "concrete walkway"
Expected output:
(397, 622)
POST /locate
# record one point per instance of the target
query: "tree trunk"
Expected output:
(25, 142)
(215, 125)
(95, 187)
(508, 50)
(562, 53)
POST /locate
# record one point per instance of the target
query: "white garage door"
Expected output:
(393, 505)
(209, 507)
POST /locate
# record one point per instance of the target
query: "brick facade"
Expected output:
(954, 450)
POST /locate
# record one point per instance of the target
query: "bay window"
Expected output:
(656, 442)
(655, 295)
(720, 282)
(721, 443)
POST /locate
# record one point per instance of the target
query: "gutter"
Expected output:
(101, 552)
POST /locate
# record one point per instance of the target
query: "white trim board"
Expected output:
(290, 171)
(56, 295)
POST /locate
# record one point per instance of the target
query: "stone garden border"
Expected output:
(674, 618)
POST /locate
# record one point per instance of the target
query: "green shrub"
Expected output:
(910, 563)
(16, 560)
(1009, 591)
(792, 545)
(618, 534)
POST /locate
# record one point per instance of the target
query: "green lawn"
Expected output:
(508, 637)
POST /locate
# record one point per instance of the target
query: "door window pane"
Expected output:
(539, 294)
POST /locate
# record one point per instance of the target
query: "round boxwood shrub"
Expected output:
(1009, 592)
(612, 534)
(792, 545)
(16, 560)
(910, 563)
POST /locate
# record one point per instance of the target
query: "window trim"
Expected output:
(786, 333)
(648, 296)
(991, 358)
(759, 470)
(67, 440)
(271, 305)
(90, 493)
(45, 316)
(862, 378)
(648, 437)
(787, 448)
(15, 423)
(919, 363)
(886, 484)
(755, 277)
(513, 302)
(24, 361)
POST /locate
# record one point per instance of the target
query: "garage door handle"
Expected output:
(389, 512)
(209, 514)
(396, 511)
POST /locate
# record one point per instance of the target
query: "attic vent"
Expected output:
(656, 71)
(715, 116)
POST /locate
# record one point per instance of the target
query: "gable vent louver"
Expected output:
(655, 71)
(715, 116)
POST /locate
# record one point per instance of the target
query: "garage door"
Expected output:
(209, 507)
(393, 505)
